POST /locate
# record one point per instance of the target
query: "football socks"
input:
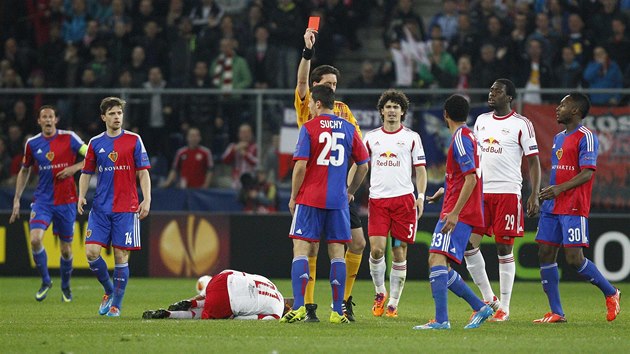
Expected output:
(309, 294)
(337, 283)
(438, 279)
(476, 265)
(299, 280)
(377, 271)
(457, 285)
(397, 278)
(41, 263)
(353, 262)
(550, 280)
(121, 277)
(589, 271)
(99, 267)
(507, 271)
(65, 267)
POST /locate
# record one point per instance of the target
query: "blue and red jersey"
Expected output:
(327, 142)
(463, 159)
(117, 159)
(52, 155)
(571, 153)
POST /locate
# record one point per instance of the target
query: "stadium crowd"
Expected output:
(154, 44)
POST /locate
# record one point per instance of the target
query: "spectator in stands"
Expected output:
(119, 46)
(193, 163)
(270, 160)
(5, 161)
(601, 22)
(466, 40)
(101, 10)
(146, 13)
(496, 37)
(339, 20)
(262, 58)
(284, 18)
(14, 141)
(533, 73)
(90, 37)
(83, 116)
(567, 74)
(119, 15)
(441, 71)
(481, 11)
(242, 155)
(603, 72)
(11, 79)
(19, 115)
(158, 115)
(176, 11)
(618, 45)
(74, 25)
(102, 67)
(182, 52)
(255, 18)
(139, 69)
(547, 36)
(465, 79)
(199, 110)
(50, 54)
(489, 68)
(155, 48)
(19, 57)
(518, 37)
(206, 14)
(407, 53)
(580, 40)
(403, 14)
(368, 79)
(558, 17)
(258, 194)
(447, 19)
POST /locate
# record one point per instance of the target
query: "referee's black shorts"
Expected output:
(355, 220)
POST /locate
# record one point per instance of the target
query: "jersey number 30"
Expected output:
(331, 143)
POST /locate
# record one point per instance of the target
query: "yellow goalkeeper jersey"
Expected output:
(303, 114)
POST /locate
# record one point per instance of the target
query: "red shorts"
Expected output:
(397, 215)
(217, 303)
(503, 215)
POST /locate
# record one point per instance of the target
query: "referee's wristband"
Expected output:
(421, 196)
(307, 53)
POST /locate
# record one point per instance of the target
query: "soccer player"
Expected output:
(119, 156)
(193, 163)
(505, 136)
(328, 75)
(320, 196)
(55, 153)
(567, 202)
(395, 151)
(461, 211)
(230, 295)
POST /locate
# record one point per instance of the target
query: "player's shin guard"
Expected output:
(476, 265)
(65, 268)
(507, 271)
(397, 278)
(353, 262)
(457, 285)
(41, 262)
(438, 279)
(121, 277)
(309, 293)
(337, 283)
(589, 271)
(550, 280)
(377, 271)
(299, 280)
(99, 268)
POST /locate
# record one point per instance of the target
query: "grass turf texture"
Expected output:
(27, 326)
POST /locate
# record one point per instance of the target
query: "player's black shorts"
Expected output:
(355, 220)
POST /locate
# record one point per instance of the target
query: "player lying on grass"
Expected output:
(230, 295)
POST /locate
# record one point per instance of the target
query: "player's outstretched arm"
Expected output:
(145, 186)
(305, 64)
(20, 184)
(421, 186)
(84, 184)
(69, 171)
(437, 196)
(550, 192)
(299, 171)
(533, 203)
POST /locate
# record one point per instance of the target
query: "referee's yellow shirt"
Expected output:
(303, 114)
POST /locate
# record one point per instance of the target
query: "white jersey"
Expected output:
(504, 141)
(393, 156)
(254, 296)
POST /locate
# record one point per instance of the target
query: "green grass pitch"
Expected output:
(27, 326)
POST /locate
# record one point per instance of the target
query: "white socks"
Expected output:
(477, 268)
(397, 282)
(377, 271)
(507, 271)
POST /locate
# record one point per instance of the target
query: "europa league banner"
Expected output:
(189, 245)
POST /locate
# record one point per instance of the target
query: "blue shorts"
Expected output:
(562, 230)
(62, 216)
(452, 244)
(121, 230)
(309, 223)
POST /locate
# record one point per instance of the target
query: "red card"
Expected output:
(313, 22)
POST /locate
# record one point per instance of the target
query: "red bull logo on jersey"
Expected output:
(491, 145)
(50, 155)
(113, 156)
(391, 159)
(559, 153)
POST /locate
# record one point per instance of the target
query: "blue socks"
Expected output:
(121, 277)
(299, 278)
(550, 280)
(457, 285)
(337, 282)
(99, 267)
(438, 279)
(41, 262)
(65, 267)
(589, 271)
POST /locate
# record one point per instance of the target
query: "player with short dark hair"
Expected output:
(328, 75)
(54, 151)
(320, 196)
(567, 201)
(395, 151)
(230, 295)
(461, 211)
(118, 155)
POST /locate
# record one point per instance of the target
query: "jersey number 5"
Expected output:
(331, 144)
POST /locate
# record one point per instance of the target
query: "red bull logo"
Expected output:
(391, 159)
(491, 145)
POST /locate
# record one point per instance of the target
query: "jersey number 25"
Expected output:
(331, 143)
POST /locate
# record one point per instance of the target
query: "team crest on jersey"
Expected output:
(113, 156)
(559, 153)
(505, 131)
(50, 155)
(33, 215)
(88, 233)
